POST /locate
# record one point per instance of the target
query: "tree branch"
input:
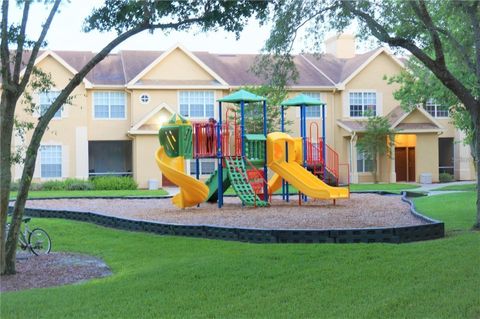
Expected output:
(422, 13)
(4, 53)
(36, 47)
(460, 48)
(21, 42)
(472, 13)
(440, 71)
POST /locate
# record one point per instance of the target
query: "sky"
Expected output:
(66, 33)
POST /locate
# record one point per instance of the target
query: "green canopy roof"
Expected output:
(241, 95)
(302, 99)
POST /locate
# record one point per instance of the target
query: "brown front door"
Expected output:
(401, 163)
(405, 164)
(411, 164)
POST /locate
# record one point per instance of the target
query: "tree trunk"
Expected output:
(22, 195)
(7, 109)
(476, 122)
(474, 111)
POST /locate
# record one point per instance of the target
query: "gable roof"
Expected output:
(167, 53)
(396, 118)
(228, 70)
(139, 127)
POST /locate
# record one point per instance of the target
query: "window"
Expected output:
(109, 105)
(50, 161)
(207, 166)
(435, 109)
(144, 98)
(46, 99)
(363, 102)
(197, 104)
(363, 164)
(314, 111)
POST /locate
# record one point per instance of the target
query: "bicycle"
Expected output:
(37, 240)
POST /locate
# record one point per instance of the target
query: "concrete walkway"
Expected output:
(431, 188)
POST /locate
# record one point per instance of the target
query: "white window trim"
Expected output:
(378, 108)
(215, 111)
(140, 98)
(436, 105)
(109, 118)
(190, 161)
(62, 168)
(356, 164)
(62, 108)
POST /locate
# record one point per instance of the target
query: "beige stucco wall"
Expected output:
(426, 155)
(144, 164)
(60, 131)
(177, 66)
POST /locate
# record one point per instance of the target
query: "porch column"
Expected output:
(353, 159)
(393, 175)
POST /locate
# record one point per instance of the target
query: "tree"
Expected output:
(254, 111)
(377, 140)
(127, 18)
(444, 35)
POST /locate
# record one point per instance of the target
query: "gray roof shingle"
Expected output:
(235, 69)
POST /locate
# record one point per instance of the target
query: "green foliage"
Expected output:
(166, 276)
(254, 111)
(376, 140)
(114, 183)
(446, 177)
(53, 185)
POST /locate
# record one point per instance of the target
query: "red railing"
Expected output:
(315, 154)
(205, 138)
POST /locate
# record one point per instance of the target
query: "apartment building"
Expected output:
(110, 126)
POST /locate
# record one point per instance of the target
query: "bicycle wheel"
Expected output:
(22, 242)
(39, 241)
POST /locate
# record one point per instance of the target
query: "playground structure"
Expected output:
(243, 159)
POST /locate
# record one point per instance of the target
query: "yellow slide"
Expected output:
(294, 173)
(192, 191)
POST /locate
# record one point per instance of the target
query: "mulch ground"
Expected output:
(54, 269)
(360, 211)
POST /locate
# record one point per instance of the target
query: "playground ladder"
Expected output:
(238, 178)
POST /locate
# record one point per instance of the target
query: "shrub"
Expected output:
(54, 185)
(75, 184)
(446, 178)
(36, 187)
(114, 183)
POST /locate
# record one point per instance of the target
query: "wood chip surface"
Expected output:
(360, 211)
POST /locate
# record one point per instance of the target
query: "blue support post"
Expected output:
(303, 132)
(324, 141)
(265, 170)
(242, 125)
(197, 161)
(219, 156)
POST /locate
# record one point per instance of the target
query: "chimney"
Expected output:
(341, 46)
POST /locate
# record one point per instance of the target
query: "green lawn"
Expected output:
(463, 187)
(162, 276)
(92, 193)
